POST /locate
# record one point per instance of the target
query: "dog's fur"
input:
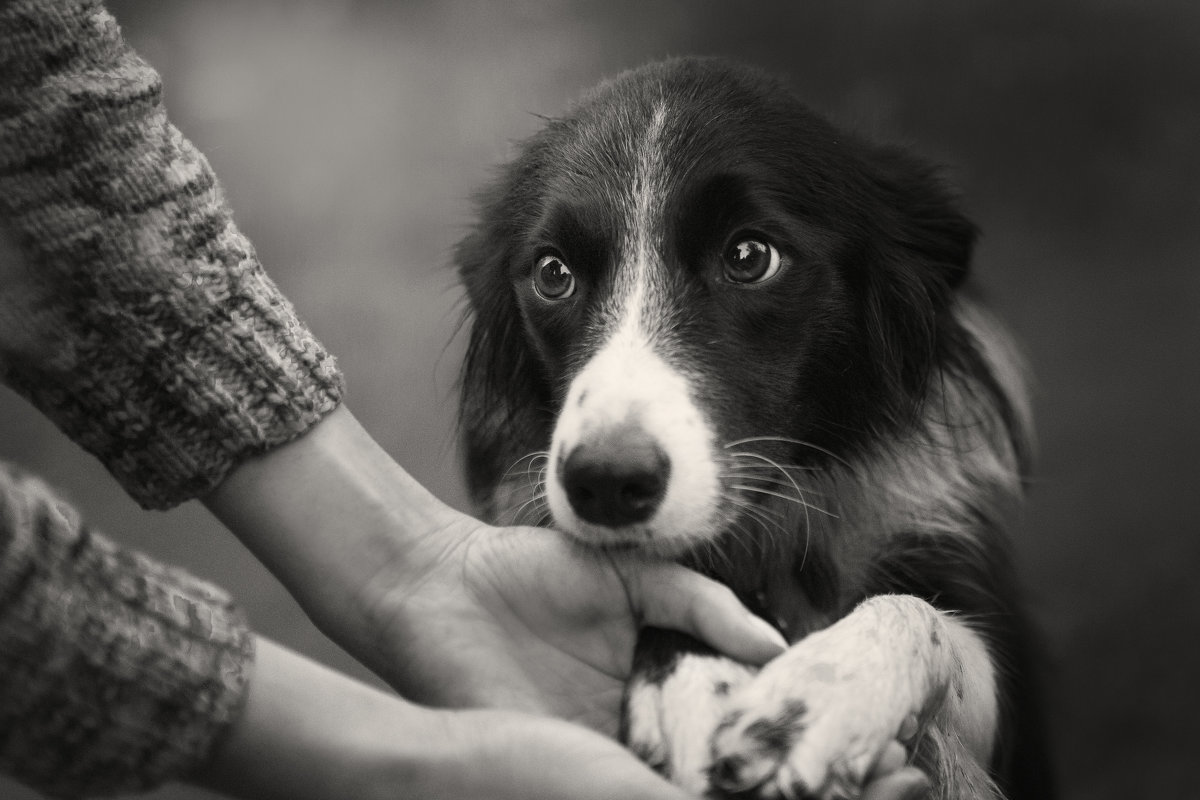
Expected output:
(842, 442)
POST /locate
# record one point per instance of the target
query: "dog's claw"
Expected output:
(736, 774)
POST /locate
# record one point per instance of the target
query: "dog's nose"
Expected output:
(617, 479)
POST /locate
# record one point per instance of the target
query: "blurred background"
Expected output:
(351, 135)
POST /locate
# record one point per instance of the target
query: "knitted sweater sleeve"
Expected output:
(142, 322)
(139, 319)
(116, 673)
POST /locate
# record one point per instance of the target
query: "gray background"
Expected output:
(349, 136)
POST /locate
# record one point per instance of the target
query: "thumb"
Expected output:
(907, 783)
(668, 595)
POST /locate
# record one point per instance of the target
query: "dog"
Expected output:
(710, 326)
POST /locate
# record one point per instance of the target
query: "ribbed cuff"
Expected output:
(116, 673)
(145, 326)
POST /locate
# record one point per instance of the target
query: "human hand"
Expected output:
(453, 612)
(524, 618)
(310, 733)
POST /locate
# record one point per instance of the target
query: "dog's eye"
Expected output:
(552, 278)
(751, 261)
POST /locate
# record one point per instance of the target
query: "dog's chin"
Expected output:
(640, 540)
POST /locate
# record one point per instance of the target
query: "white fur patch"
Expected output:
(670, 724)
(627, 383)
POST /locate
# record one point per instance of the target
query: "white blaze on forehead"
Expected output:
(637, 285)
(627, 382)
(648, 190)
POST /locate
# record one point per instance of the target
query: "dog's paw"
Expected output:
(669, 717)
(813, 723)
(789, 751)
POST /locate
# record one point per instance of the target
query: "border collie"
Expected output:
(710, 326)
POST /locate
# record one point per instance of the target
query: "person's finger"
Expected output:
(906, 783)
(891, 758)
(667, 595)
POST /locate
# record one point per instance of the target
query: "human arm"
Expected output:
(309, 733)
(118, 673)
(450, 611)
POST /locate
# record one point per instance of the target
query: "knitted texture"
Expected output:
(116, 673)
(142, 322)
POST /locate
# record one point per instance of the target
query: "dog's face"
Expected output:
(689, 289)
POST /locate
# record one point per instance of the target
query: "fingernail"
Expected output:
(768, 631)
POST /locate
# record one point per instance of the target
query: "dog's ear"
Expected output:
(921, 255)
(504, 396)
(922, 215)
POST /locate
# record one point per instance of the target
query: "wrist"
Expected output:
(335, 519)
(310, 733)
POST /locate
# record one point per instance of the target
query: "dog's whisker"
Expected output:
(537, 503)
(771, 523)
(539, 482)
(789, 440)
(768, 515)
(741, 463)
(773, 526)
(739, 537)
(771, 520)
(747, 537)
(771, 462)
(769, 479)
(797, 500)
(530, 476)
(802, 501)
(531, 458)
(723, 556)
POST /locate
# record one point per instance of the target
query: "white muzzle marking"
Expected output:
(627, 384)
